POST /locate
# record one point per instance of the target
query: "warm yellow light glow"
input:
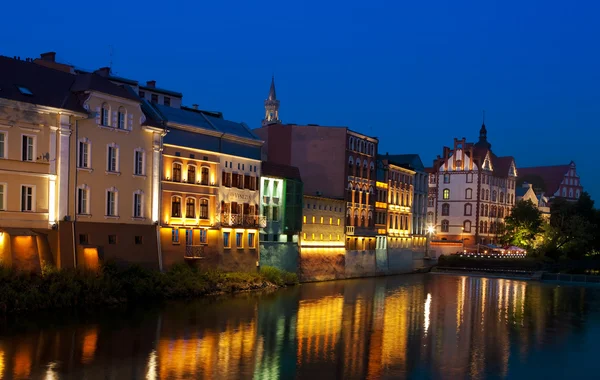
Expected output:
(304, 219)
(308, 243)
(430, 229)
(382, 185)
(313, 220)
(90, 256)
(226, 229)
(89, 345)
(52, 201)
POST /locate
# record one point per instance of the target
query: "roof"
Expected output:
(501, 165)
(272, 95)
(273, 169)
(203, 120)
(95, 82)
(162, 91)
(551, 176)
(412, 161)
(48, 87)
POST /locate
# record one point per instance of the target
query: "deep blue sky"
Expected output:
(416, 74)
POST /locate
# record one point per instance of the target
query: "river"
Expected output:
(413, 326)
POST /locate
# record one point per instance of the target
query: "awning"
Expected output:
(18, 231)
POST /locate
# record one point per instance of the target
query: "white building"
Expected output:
(471, 191)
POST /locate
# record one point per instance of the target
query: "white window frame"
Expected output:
(3, 196)
(119, 120)
(116, 202)
(135, 162)
(33, 194)
(139, 193)
(85, 188)
(251, 240)
(33, 148)
(241, 240)
(88, 162)
(105, 115)
(108, 164)
(4, 144)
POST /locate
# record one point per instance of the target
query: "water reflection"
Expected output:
(413, 326)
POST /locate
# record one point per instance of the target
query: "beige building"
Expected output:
(323, 222)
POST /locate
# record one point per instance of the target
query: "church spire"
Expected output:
(271, 106)
(483, 143)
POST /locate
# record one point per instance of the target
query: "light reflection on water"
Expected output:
(419, 326)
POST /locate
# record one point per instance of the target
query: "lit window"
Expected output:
(203, 208)
(314, 219)
(304, 219)
(321, 220)
(226, 242)
(446, 194)
(239, 239)
(330, 220)
(338, 221)
(176, 207)
(190, 208)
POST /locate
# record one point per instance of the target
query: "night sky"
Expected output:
(416, 74)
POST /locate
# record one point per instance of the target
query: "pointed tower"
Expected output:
(271, 106)
(483, 143)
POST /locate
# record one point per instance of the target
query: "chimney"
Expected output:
(195, 106)
(49, 56)
(103, 71)
(151, 83)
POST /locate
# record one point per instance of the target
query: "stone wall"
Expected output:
(320, 264)
(280, 255)
(360, 263)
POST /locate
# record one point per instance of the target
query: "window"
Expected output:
(226, 242)
(321, 220)
(275, 211)
(469, 177)
(82, 200)
(138, 239)
(112, 239)
(121, 118)
(138, 162)
(446, 194)
(467, 226)
(203, 208)
(176, 207)
(138, 205)
(226, 181)
(175, 235)
(112, 164)
(3, 145)
(445, 209)
(468, 209)
(494, 196)
(111, 202)
(191, 174)
(27, 198)
(154, 98)
(105, 115)
(83, 161)
(446, 178)
(304, 219)
(468, 193)
(445, 226)
(501, 197)
(487, 194)
(167, 101)
(314, 220)
(577, 194)
(177, 172)
(28, 148)
(205, 174)
(142, 94)
(203, 236)
(430, 201)
(570, 193)
(239, 239)
(83, 239)
(331, 221)
(430, 217)
(190, 208)
(2, 196)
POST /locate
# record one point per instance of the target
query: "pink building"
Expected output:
(554, 181)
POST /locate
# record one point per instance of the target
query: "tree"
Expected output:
(523, 224)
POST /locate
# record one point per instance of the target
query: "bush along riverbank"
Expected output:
(72, 288)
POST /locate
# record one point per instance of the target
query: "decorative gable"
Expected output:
(487, 163)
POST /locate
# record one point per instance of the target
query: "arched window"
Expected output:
(481, 227)
(355, 217)
(429, 217)
(468, 193)
(487, 195)
(467, 226)
(121, 118)
(468, 209)
(570, 193)
(176, 172)
(445, 209)
(446, 193)
(190, 208)
(445, 226)
(176, 206)
(446, 178)
(501, 197)
(351, 143)
(365, 169)
(191, 174)
(494, 196)
(350, 165)
(358, 168)
(362, 218)
(105, 115)
(577, 194)
(370, 218)
(205, 175)
(349, 217)
(372, 169)
(485, 227)
(204, 208)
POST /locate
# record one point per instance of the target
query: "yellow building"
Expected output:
(37, 109)
(323, 222)
(210, 190)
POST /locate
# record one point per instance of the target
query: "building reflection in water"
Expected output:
(396, 327)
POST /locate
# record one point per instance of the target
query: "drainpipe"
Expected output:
(75, 196)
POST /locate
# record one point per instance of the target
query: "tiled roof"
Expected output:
(95, 82)
(48, 87)
(502, 165)
(552, 176)
(413, 161)
(280, 171)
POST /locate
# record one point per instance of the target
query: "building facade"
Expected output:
(557, 181)
(471, 191)
(281, 206)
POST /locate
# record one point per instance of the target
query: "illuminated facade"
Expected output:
(323, 222)
(211, 169)
(471, 191)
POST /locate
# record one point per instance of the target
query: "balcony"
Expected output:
(349, 230)
(194, 251)
(241, 220)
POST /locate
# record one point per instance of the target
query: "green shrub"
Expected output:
(290, 278)
(272, 275)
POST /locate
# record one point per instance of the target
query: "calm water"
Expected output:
(418, 326)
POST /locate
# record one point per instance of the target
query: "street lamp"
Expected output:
(462, 231)
(430, 231)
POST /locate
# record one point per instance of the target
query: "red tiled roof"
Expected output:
(272, 169)
(502, 165)
(551, 175)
